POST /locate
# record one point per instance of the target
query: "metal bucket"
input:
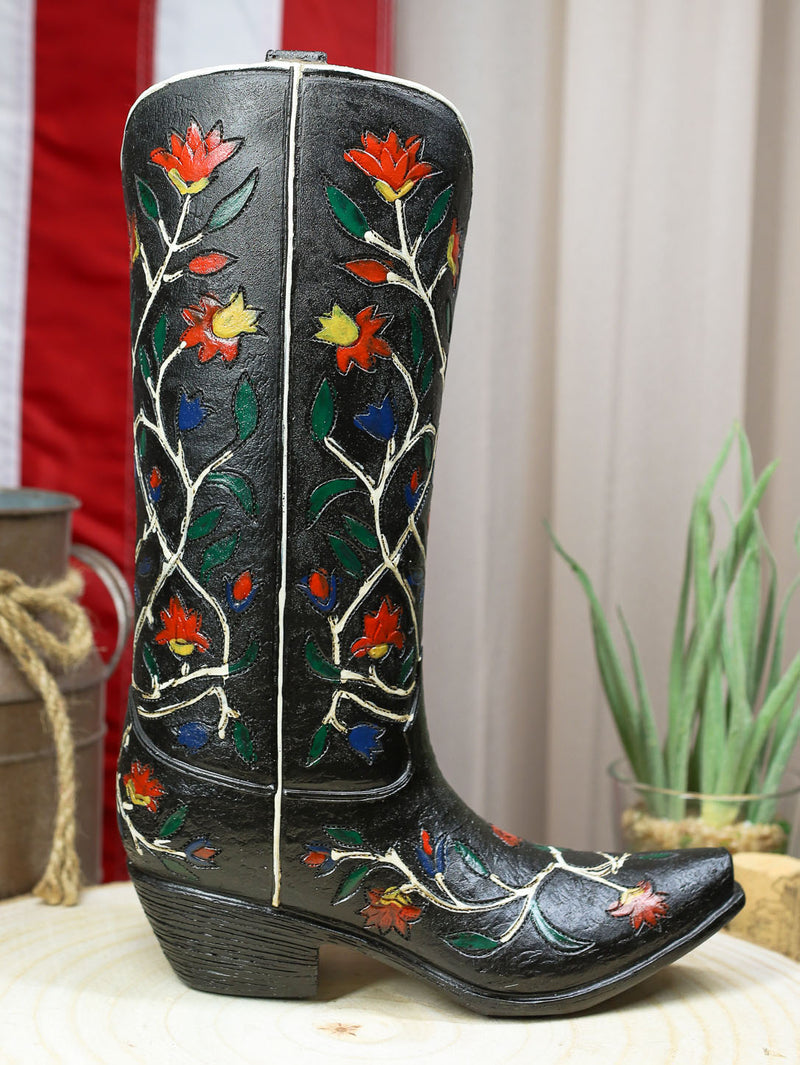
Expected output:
(35, 544)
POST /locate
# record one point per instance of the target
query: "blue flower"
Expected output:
(240, 591)
(432, 855)
(318, 857)
(191, 413)
(378, 421)
(320, 587)
(193, 735)
(144, 566)
(414, 489)
(366, 741)
(200, 852)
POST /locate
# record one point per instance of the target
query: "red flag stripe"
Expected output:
(354, 34)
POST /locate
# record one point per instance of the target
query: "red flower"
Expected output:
(217, 328)
(369, 270)
(641, 904)
(190, 162)
(380, 633)
(454, 250)
(142, 789)
(182, 629)
(506, 837)
(133, 240)
(393, 166)
(355, 340)
(390, 909)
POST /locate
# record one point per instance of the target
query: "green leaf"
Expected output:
(175, 866)
(427, 376)
(247, 659)
(346, 555)
(150, 661)
(553, 935)
(365, 536)
(147, 198)
(438, 211)
(217, 553)
(471, 942)
(407, 665)
(243, 742)
(142, 441)
(323, 412)
(173, 822)
(324, 493)
(470, 857)
(234, 203)
(348, 836)
(351, 882)
(160, 337)
(204, 523)
(319, 744)
(417, 340)
(350, 216)
(240, 487)
(144, 363)
(245, 408)
(319, 663)
(427, 444)
(448, 319)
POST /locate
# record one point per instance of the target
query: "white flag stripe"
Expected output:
(209, 34)
(16, 133)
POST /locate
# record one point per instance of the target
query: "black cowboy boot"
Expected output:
(296, 237)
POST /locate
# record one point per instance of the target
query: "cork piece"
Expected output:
(771, 916)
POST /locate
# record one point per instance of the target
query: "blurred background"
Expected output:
(629, 289)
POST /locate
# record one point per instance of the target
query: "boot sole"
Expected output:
(234, 946)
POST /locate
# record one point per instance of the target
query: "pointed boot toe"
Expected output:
(296, 234)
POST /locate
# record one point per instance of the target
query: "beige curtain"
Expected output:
(629, 289)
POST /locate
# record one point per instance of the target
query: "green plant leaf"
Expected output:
(558, 939)
(407, 665)
(176, 866)
(204, 523)
(160, 337)
(448, 319)
(323, 412)
(427, 446)
(427, 376)
(438, 211)
(150, 661)
(319, 663)
(346, 555)
(417, 339)
(232, 205)
(350, 216)
(351, 883)
(470, 857)
(243, 742)
(648, 734)
(217, 553)
(142, 442)
(147, 198)
(245, 408)
(144, 363)
(246, 660)
(173, 822)
(472, 942)
(348, 836)
(319, 744)
(240, 487)
(324, 493)
(360, 532)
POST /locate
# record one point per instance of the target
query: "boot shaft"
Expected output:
(296, 233)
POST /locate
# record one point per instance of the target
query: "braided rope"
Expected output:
(32, 646)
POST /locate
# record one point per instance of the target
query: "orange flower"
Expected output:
(380, 633)
(217, 328)
(454, 250)
(142, 789)
(355, 339)
(641, 904)
(390, 909)
(181, 629)
(393, 166)
(190, 162)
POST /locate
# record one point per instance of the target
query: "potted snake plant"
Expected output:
(720, 775)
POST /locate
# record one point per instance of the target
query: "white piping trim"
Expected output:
(279, 63)
(297, 73)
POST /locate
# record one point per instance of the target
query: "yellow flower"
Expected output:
(338, 328)
(234, 319)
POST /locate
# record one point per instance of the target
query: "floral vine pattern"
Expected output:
(389, 623)
(138, 788)
(180, 599)
(427, 883)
